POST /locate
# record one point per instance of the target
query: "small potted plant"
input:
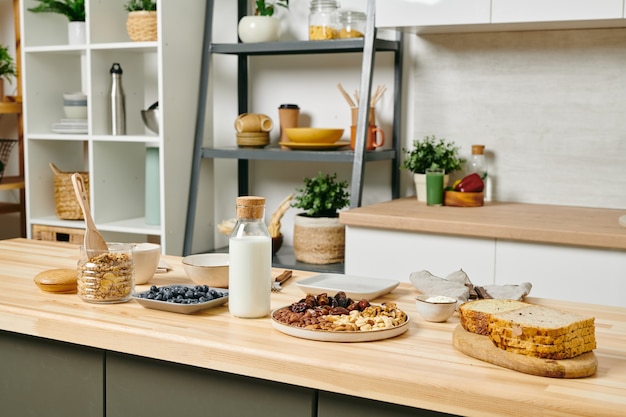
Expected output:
(431, 153)
(262, 27)
(142, 20)
(74, 10)
(7, 69)
(319, 237)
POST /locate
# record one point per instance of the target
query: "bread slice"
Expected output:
(475, 315)
(515, 333)
(562, 353)
(543, 332)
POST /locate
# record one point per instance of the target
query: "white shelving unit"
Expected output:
(166, 70)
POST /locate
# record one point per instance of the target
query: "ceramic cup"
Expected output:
(375, 137)
(289, 116)
(147, 256)
(252, 122)
(75, 105)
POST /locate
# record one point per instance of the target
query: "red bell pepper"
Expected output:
(471, 183)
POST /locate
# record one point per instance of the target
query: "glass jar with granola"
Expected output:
(352, 24)
(323, 20)
(106, 276)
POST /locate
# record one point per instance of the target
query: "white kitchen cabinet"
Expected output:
(395, 255)
(521, 11)
(409, 13)
(431, 16)
(562, 272)
(166, 70)
(585, 275)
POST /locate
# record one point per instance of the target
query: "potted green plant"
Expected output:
(262, 27)
(74, 10)
(7, 69)
(319, 237)
(141, 23)
(431, 152)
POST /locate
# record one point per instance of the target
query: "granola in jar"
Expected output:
(106, 277)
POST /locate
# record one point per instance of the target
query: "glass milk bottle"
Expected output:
(250, 265)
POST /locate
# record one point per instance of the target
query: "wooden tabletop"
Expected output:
(420, 368)
(566, 225)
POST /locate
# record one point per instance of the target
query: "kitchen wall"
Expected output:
(548, 105)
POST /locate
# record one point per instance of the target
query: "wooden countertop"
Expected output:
(420, 368)
(565, 225)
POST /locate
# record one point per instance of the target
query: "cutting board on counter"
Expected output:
(481, 347)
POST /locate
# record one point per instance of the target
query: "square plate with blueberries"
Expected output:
(185, 299)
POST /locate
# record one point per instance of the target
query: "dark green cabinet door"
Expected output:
(46, 378)
(337, 405)
(141, 387)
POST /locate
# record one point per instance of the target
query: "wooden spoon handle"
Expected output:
(81, 196)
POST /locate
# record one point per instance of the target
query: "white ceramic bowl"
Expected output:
(435, 308)
(207, 269)
(147, 256)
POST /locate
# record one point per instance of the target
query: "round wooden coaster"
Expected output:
(57, 280)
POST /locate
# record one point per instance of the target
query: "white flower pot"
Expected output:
(258, 29)
(420, 185)
(76, 33)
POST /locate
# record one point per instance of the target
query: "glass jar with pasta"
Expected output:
(323, 20)
(352, 25)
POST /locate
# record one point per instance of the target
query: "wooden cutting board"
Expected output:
(481, 347)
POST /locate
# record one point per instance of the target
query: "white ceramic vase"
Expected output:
(76, 33)
(258, 29)
(420, 185)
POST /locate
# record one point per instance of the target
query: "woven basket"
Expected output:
(142, 26)
(67, 207)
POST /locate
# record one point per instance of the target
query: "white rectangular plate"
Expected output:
(355, 287)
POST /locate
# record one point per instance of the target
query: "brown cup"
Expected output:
(252, 122)
(288, 115)
(375, 137)
(355, 115)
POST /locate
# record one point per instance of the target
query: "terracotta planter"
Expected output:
(142, 26)
(420, 185)
(318, 240)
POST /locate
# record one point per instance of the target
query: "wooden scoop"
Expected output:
(93, 239)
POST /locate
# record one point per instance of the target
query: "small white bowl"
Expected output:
(207, 269)
(147, 256)
(435, 308)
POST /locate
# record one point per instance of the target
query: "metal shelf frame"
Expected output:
(367, 46)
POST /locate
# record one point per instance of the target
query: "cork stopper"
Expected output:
(250, 207)
(478, 149)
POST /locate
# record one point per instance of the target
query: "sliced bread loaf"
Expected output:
(475, 315)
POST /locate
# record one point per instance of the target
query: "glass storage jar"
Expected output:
(106, 276)
(323, 20)
(352, 25)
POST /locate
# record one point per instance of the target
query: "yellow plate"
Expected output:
(315, 146)
(313, 135)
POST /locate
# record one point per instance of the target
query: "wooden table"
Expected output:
(418, 369)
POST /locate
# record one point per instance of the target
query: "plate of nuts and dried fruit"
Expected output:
(185, 299)
(340, 319)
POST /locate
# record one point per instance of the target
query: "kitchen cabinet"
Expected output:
(165, 70)
(497, 15)
(49, 378)
(408, 13)
(567, 253)
(516, 11)
(368, 47)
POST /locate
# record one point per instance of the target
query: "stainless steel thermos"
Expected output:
(118, 106)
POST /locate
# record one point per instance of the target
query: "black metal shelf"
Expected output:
(275, 153)
(367, 46)
(302, 47)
